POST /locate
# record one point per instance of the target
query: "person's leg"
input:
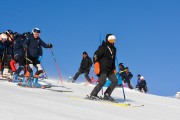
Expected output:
(114, 82)
(28, 70)
(38, 72)
(76, 75)
(21, 62)
(129, 84)
(99, 86)
(86, 74)
(12, 65)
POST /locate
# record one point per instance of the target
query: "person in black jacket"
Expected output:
(127, 77)
(122, 70)
(19, 55)
(32, 46)
(142, 86)
(105, 55)
(85, 67)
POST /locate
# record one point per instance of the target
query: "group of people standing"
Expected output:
(105, 57)
(24, 49)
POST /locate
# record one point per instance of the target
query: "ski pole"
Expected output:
(100, 41)
(56, 66)
(26, 57)
(121, 79)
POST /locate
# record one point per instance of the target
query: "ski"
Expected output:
(114, 103)
(100, 98)
(61, 91)
(42, 86)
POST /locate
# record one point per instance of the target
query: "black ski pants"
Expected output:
(103, 77)
(86, 74)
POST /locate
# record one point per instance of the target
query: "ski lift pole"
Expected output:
(121, 79)
(56, 66)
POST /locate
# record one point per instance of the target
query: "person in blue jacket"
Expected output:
(32, 49)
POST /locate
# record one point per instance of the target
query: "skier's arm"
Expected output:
(98, 54)
(90, 62)
(26, 42)
(114, 65)
(81, 65)
(43, 44)
(130, 75)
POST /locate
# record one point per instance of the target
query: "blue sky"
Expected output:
(147, 34)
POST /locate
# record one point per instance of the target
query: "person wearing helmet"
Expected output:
(85, 67)
(31, 45)
(142, 85)
(7, 53)
(122, 70)
(3, 38)
(19, 54)
(138, 80)
(10, 34)
(105, 55)
(127, 77)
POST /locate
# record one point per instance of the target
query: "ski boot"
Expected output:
(73, 81)
(24, 82)
(108, 98)
(29, 82)
(35, 83)
(15, 78)
(94, 97)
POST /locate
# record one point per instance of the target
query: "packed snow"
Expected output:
(65, 102)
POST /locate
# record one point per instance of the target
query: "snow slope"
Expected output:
(18, 103)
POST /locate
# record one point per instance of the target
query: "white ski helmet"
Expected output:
(142, 78)
(3, 37)
(36, 30)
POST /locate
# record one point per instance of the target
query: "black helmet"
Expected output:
(120, 64)
(25, 34)
(138, 75)
(15, 34)
(8, 32)
(36, 30)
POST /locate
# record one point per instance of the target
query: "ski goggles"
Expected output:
(36, 31)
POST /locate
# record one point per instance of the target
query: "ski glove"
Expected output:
(49, 45)
(39, 58)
